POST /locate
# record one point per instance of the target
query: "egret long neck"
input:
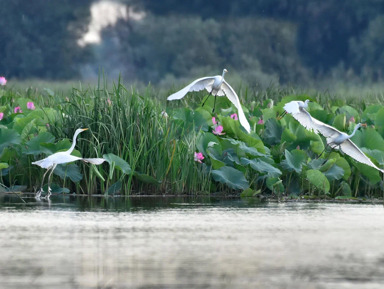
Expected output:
(222, 76)
(354, 131)
(73, 142)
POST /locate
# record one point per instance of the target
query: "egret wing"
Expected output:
(232, 96)
(197, 85)
(95, 161)
(348, 147)
(292, 107)
(325, 129)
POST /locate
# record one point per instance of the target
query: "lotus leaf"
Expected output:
(294, 160)
(118, 162)
(273, 132)
(319, 180)
(275, 184)
(204, 140)
(370, 173)
(71, 171)
(232, 177)
(339, 122)
(8, 137)
(262, 166)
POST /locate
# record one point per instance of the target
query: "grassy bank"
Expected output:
(152, 152)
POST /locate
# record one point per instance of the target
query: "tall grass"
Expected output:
(131, 126)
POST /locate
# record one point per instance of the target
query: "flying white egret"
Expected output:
(217, 86)
(335, 138)
(298, 110)
(55, 159)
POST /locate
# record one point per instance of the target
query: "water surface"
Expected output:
(189, 243)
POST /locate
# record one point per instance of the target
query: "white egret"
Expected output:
(217, 86)
(298, 110)
(335, 138)
(55, 159)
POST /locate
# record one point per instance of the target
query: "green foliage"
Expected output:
(319, 180)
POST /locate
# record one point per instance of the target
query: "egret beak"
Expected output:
(85, 129)
(364, 124)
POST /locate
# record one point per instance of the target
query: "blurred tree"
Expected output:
(325, 27)
(367, 51)
(39, 38)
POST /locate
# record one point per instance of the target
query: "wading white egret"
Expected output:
(55, 159)
(216, 86)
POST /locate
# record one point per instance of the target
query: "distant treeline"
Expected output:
(267, 40)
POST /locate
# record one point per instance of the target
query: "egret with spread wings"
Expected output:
(55, 159)
(335, 138)
(217, 86)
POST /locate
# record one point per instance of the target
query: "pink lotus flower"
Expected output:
(1, 115)
(218, 130)
(234, 116)
(3, 81)
(31, 105)
(214, 120)
(261, 121)
(352, 119)
(198, 157)
(17, 110)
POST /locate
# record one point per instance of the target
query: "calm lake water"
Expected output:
(75, 242)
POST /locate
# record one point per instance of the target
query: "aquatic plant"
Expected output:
(152, 146)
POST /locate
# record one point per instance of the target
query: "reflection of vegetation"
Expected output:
(150, 151)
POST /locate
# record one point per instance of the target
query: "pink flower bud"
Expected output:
(17, 110)
(198, 157)
(234, 116)
(30, 105)
(3, 81)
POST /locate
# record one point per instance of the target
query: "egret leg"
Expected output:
(49, 183)
(38, 193)
(282, 115)
(207, 98)
(322, 152)
(214, 104)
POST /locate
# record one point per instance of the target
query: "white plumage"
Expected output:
(217, 86)
(335, 138)
(55, 159)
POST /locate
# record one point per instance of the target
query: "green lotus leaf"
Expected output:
(342, 163)
(368, 138)
(334, 173)
(275, 184)
(8, 137)
(118, 162)
(268, 113)
(288, 136)
(377, 156)
(34, 146)
(71, 171)
(370, 112)
(339, 122)
(294, 160)
(114, 188)
(261, 166)
(349, 111)
(370, 173)
(232, 177)
(379, 122)
(273, 132)
(145, 178)
(216, 163)
(319, 180)
(206, 139)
